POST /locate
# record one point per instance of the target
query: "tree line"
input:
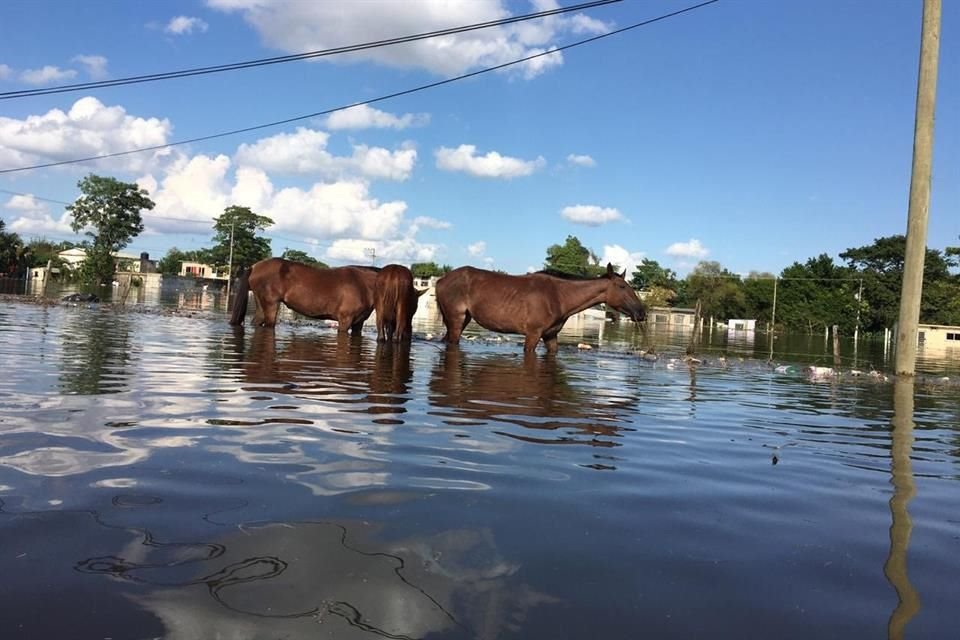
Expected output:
(811, 295)
(863, 291)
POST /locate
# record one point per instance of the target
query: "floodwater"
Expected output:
(165, 476)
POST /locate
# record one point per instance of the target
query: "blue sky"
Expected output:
(753, 133)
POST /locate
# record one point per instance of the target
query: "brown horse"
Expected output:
(534, 305)
(396, 302)
(344, 294)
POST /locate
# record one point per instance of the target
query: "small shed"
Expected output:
(740, 324)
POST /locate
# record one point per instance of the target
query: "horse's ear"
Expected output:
(624, 274)
(420, 293)
(609, 268)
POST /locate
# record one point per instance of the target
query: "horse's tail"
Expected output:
(388, 297)
(240, 298)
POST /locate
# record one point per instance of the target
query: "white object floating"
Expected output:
(584, 345)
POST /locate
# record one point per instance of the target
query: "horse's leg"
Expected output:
(258, 313)
(551, 343)
(270, 311)
(456, 325)
(530, 342)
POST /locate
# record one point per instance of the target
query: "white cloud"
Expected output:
(193, 191)
(431, 223)
(477, 249)
(34, 217)
(197, 189)
(366, 117)
(6, 71)
(47, 74)
(405, 249)
(532, 68)
(307, 26)
(26, 203)
(625, 259)
(95, 66)
(305, 152)
(591, 215)
(491, 165)
(185, 25)
(89, 128)
(691, 249)
(581, 160)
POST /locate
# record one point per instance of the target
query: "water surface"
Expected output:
(168, 476)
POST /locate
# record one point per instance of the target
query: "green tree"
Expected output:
(649, 274)
(41, 251)
(248, 247)
(109, 210)
(758, 295)
(573, 258)
(301, 256)
(429, 269)
(720, 291)
(11, 250)
(881, 266)
(169, 264)
(817, 294)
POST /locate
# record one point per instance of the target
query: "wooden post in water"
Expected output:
(918, 212)
(836, 345)
(697, 329)
(773, 317)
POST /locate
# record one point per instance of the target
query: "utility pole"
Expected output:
(856, 329)
(906, 355)
(230, 262)
(371, 252)
(773, 317)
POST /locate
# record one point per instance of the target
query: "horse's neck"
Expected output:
(577, 295)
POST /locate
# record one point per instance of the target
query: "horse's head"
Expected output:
(622, 297)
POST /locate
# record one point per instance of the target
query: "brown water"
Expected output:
(166, 476)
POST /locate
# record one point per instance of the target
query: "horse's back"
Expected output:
(473, 284)
(320, 293)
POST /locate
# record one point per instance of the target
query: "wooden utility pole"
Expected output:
(917, 215)
(773, 317)
(230, 263)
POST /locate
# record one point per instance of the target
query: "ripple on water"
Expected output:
(183, 475)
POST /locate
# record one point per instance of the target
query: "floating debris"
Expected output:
(76, 298)
(584, 346)
(787, 368)
(820, 373)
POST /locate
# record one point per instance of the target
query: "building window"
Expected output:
(659, 318)
(953, 336)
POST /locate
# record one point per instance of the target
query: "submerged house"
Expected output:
(938, 337)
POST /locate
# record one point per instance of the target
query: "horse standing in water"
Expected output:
(344, 294)
(395, 302)
(535, 305)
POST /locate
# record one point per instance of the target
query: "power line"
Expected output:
(247, 64)
(382, 98)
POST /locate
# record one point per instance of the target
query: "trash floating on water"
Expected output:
(584, 346)
(820, 373)
(80, 297)
(787, 368)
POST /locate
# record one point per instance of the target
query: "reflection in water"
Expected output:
(96, 353)
(336, 368)
(528, 391)
(297, 575)
(904, 489)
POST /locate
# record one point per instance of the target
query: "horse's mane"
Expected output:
(568, 276)
(366, 267)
